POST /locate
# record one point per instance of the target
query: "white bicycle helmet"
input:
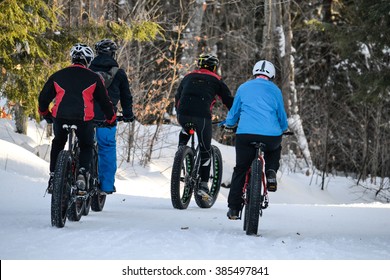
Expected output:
(264, 67)
(81, 53)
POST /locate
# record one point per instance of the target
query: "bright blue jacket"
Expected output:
(258, 108)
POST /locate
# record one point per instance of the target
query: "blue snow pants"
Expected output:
(106, 141)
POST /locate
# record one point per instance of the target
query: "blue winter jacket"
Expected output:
(258, 108)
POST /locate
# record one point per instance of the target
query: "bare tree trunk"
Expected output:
(269, 28)
(189, 52)
(192, 32)
(20, 119)
(284, 43)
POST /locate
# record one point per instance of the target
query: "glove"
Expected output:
(230, 129)
(130, 119)
(48, 118)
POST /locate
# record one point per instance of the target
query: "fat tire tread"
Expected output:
(255, 198)
(61, 194)
(183, 153)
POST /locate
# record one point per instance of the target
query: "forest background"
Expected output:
(332, 59)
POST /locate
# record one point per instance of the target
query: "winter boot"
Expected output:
(233, 214)
(271, 180)
(82, 181)
(203, 191)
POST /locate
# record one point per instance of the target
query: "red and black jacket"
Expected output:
(73, 90)
(197, 94)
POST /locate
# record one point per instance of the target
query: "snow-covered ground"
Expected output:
(139, 227)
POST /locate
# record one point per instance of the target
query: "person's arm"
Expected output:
(281, 112)
(125, 95)
(235, 111)
(45, 97)
(226, 95)
(101, 97)
(178, 95)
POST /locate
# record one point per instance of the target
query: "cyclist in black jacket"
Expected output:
(119, 92)
(73, 90)
(194, 101)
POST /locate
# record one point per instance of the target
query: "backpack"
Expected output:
(109, 76)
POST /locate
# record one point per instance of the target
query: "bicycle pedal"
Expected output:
(81, 193)
(205, 196)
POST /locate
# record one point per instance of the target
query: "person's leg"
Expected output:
(204, 133)
(57, 145)
(272, 152)
(184, 136)
(244, 157)
(58, 142)
(85, 134)
(107, 163)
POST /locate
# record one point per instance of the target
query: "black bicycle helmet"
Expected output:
(208, 61)
(82, 54)
(106, 46)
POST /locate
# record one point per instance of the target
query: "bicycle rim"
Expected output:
(181, 185)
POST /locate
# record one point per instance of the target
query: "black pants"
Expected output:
(204, 134)
(85, 134)
(245, 153)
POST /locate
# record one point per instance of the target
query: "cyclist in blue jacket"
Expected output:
(258, 109)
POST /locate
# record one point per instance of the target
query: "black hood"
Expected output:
(103, 62)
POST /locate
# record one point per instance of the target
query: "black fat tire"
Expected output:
(61, 189)
(98, 201)
(215, 178)
(246, 219)
(255, 199)
(181, 188)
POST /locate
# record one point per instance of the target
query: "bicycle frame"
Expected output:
(195, 172)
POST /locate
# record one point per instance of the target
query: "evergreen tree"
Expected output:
(28, 41)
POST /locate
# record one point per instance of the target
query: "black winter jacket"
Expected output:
(197, 94)
(119, 90)
(74, 90)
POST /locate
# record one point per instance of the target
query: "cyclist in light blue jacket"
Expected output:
(258, 109)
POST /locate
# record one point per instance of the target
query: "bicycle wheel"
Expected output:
(98, 201)
(216, 178)
(255, 197)
(181, 186)
(61, 189)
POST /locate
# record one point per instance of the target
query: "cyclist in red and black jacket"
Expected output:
(73, 90)
(194, 101)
